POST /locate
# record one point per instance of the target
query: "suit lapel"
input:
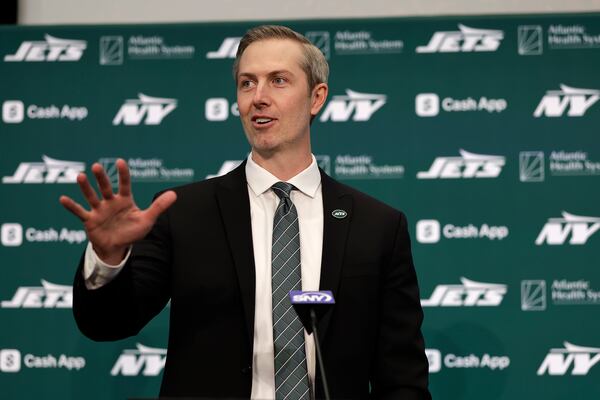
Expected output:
(234, 204)
(335, 232)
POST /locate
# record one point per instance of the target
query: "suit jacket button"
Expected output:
(246, 370)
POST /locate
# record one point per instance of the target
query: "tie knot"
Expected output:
(283, 189)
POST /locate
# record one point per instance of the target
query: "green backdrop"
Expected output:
(484, 130)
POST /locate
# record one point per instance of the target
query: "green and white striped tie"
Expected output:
(291, 375)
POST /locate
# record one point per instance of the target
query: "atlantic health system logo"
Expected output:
(562, 292)
(357, 42)
(322, 40)
(560, 163)
(533, 295)
(573, 37)
(558, 37)
(530, 40)
(531, 166)
(146, 170)
(363, 166)
(111, 50)
(115, 49)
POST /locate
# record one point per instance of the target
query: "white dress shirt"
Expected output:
(263, 203)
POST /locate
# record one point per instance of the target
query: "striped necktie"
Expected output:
(291, 376)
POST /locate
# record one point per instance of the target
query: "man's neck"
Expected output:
(283, 166)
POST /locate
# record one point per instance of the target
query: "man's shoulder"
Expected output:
(362, 201)
(233, 179)
(196, 188)
(201, 192)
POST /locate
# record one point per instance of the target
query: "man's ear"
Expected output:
(318, 97)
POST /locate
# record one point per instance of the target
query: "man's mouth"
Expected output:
(263, 120)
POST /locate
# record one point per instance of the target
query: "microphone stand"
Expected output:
(313, 319)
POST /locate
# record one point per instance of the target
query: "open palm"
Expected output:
(114, 221)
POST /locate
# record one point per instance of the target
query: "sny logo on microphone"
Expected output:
(322, 297)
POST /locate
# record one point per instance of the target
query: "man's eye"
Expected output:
(279, 81)
(246, 84)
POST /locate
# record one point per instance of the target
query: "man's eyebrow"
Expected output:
(272, 73)
(281, 72)
(247, 74)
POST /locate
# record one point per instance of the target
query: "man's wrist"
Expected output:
(112, 257)
(96, 272)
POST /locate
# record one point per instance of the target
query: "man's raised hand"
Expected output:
(114, 221)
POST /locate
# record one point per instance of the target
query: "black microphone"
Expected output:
(310, 307)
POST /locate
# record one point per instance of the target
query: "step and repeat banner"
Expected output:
(484, 130)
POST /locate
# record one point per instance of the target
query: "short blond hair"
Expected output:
(313, 62)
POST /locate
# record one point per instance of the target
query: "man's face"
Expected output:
(273, 97)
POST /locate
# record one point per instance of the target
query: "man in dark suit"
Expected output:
(214, 248)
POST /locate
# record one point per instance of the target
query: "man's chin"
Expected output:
(265, 150)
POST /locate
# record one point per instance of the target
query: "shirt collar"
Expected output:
(260, 180)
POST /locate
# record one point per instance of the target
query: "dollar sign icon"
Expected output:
(11, 234)
(427, 104)
(13, 111)
(10, 360)
(217, 109)
(428, 231)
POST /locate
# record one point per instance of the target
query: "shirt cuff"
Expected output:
(97, 273)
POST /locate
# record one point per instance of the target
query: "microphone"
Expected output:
(310, 307)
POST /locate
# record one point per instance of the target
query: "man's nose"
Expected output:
(262, 96)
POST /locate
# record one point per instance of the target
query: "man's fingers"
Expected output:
(124, 178)
(88, 191)
(103, 182)
(161, 203)
(74, 207)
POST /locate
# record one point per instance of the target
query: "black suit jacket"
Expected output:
(199, 254)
